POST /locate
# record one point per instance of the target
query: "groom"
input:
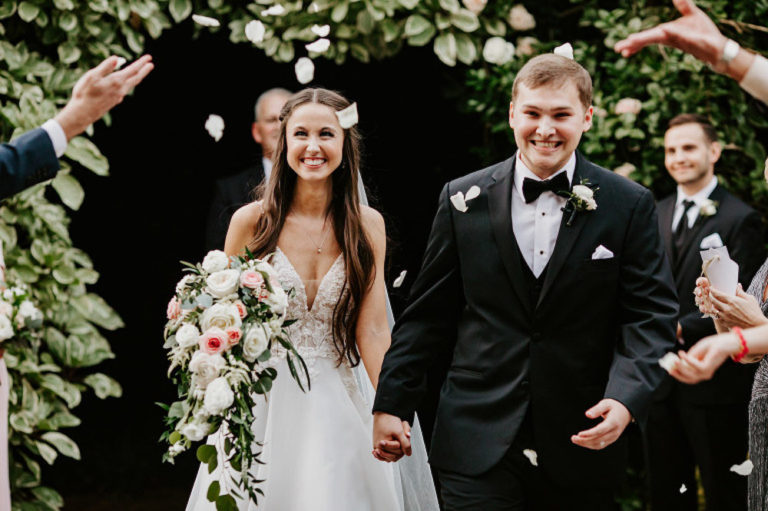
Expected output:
(556, 310)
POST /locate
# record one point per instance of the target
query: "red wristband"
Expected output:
(744, 349)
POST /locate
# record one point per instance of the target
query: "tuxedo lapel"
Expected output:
(500, 211)
(666, 212)
(567, 235)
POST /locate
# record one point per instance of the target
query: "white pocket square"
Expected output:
(711, 241)
(601, 253)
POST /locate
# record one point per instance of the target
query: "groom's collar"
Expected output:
(522, 171)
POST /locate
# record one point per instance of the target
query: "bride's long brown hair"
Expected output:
(344, 210)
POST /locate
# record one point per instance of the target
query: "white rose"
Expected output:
(277, 300)
(275, 326)
(591, 204)
(520, 19)
(6, 328)
(218, 396)
(195, 431)
(187, 335)
(628, 106)
(625, 169)
(525, 46)
(583, 192)
(6, 309)
(215, 260)
(183, 283)
(255, 342)
(708, 208)
(476, 6)
(498, 51)
(27, 309)
(206, 368)
(223, 283)
(221, 315)
(176, 449)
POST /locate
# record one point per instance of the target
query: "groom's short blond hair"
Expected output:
(551, 69)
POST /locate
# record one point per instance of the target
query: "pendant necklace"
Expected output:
(322, 241)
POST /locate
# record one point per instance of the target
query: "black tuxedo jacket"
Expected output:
(26, 161)
(597, 331)
(231, 193)
(741, 230)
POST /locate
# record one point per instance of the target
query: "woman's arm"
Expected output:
(373, 334)
(240, 231)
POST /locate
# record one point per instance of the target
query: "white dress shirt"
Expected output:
(536, 224)
(57, 136)
(266, 164)
(698, 199)
(756, 80)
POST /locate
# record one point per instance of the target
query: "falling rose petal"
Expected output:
(400, 278)
(669, 361)
(275, 10)
(683, 489)
(564, 50)
(254, 31)
(532, 456)
(215, 126)
(348, 116)
(120, 63)
(319, 46)
(473, 192)
(205, 21)
(457, 200)
(744, 469)
(305, 70)
(321, 30)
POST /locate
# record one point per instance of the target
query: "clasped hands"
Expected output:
(392, 436)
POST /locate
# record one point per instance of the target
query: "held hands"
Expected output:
(98, 90)
(694, 32)
(391, 437)
(615, 416)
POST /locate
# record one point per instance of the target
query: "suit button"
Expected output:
(536, 336)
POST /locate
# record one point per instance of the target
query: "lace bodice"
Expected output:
(311, 334)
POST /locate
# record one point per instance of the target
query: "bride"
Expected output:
(330, 249)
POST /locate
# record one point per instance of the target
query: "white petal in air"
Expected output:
(532, 456)
(744, 469)
(254, 31)
(215, 126)
(305, 70)
(321, 30)
(120, 63)
(564, 50)
(400, 278)
(275, 10)
(205, 21)
(348, 116)
(457, 200)
(669, 361)
(683, 489)
(319, 46)
(473, 192)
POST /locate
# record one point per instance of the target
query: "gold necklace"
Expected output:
(322, 241)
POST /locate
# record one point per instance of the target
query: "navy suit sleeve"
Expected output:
(28, 160)
(745, 246)
(649, 310)
(428, 325)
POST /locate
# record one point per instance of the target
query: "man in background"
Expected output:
(234, 191)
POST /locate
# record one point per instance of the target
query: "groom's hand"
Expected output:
(391, 437)
(615, 416)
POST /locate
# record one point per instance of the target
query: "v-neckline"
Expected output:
(307, 307)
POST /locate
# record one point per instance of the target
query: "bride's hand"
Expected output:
(391, 437)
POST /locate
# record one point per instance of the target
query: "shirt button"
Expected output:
(541, 252)
(543, 213)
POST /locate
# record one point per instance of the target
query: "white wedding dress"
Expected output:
(317, 445)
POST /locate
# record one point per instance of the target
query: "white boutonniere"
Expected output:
(580, 198)
(708, 208)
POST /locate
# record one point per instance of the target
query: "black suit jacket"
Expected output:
(230, 193)
(741, 230)
(598, 329)
(26, 161)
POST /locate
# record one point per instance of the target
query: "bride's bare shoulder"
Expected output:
(242, 227)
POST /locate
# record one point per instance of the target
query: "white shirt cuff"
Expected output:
(58, 138)
(756, 80)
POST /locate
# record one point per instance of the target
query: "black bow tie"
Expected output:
(533, 188)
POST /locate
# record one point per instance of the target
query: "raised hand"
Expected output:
(615, 416)
(98, 90)
(694, 32)
(391, 437)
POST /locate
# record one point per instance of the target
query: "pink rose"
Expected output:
(251, 279)
(263, 295)
(234, 335)
(174, 308)
(628, 106)
(241, 309)
(214, 341)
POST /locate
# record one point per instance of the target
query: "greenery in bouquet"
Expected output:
(226, 320)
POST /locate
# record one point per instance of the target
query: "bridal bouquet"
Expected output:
(223, 322)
